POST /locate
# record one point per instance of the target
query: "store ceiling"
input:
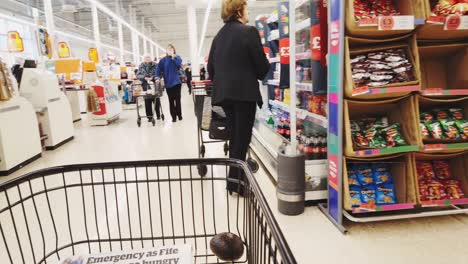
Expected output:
(164, 20)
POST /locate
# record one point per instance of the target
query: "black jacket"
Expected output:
(236, 63)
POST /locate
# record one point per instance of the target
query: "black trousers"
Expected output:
(189, 85)
(173, 93)
(149, 107)
(240, 118)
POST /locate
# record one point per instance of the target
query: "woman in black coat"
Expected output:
(235, 65)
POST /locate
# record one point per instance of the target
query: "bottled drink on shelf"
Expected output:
(323, 147)
(280, 127)
(287, 129)
(315, 148)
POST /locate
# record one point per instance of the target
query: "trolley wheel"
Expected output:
(202, 170)
(139, 122)
(162, 117)
(226, 149)
(202, 151)
(153, 121)
(253, 165)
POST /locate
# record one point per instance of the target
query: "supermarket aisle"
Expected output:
(311, 237)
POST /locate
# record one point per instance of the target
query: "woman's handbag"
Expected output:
(219, 128)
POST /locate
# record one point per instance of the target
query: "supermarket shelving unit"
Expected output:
(334, 208)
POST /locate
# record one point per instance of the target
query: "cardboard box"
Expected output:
(437, 145)
(403, 180)
(406, 8)
(356, 46)
(459, 168)
(399, 110)
(444, 67)
(431, 31)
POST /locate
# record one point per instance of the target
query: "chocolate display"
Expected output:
(375, 133)
(449, 7)
(374, 8)
(381, 68)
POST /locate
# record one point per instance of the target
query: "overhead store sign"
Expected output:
(15, 42)
(63, 50)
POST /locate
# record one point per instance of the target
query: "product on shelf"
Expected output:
(371, 184)
(314, 147)
(381, 68)
(316, 104)
(436, 181)
(449, 7)
(376, 133)
(444, 124)
(374, 8)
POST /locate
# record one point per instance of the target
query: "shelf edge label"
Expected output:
(395, 22)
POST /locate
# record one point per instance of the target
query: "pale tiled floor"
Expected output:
(311, 237)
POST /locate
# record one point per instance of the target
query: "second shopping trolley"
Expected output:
(212, 119)
(154, 91)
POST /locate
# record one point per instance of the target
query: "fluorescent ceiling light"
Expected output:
(109, 12)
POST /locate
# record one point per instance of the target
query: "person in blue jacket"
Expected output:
(169, 68)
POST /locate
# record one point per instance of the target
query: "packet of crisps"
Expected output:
(364, 174)
(453, 190)
(442, 170)
(436, 190)
(423, 190)
(393, 136)
(424, 132)
(368, 195)
(359, 140)
(441, 114)
(355, 126)
(450, 129)
(426, 116)
(462, 126)
(435, 129)
(385, 194)
(456, 113)
(425, 170)
(374, 138)
(382, 174)
(352, 175)
(355, 194)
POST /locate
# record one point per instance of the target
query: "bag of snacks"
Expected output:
(359, 140)
(352, 176)
(382, 174)
(393, 136)
(426, 116)
(436, 190)
(385, 194)
(453, 190)
(462, 126)
(368, 195)
(424, 132)
(374, 138)
(442, 170)
(364, 174)
(425, 170)
(456, 113)
(355, 194)
(441, 114)
(450, 129)
(435, 129)
(423, 190)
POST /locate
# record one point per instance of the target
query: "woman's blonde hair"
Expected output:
(231, 8)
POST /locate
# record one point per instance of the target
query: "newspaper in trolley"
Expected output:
(178, 254)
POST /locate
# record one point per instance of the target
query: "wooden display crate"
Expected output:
(433, 29)
(368, 28)
(437, 145)
(356, 46)
(459, 168)
(444, 70)
(403, 180)
(399, 110)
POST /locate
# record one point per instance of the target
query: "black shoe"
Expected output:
(150, 119)
(180, 118)
(174, 120)
(158, 118)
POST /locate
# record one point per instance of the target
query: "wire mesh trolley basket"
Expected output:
(51, 214)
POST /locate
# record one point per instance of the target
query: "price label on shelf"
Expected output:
(361, 90)
(396, 22)
(75, 76)
(456, 22)
(368, 22)
(433, 147)
(440, 20)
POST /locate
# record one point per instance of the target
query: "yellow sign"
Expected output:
(93, 55)
(15, 42)
(63, 50)
(89, 66)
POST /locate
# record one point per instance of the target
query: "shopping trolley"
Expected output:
(51, 214)
(153, 92)
(201, 91)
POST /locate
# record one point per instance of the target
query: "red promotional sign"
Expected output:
(284, 50)
(102, 100)
(387, 23)
(453, 22)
